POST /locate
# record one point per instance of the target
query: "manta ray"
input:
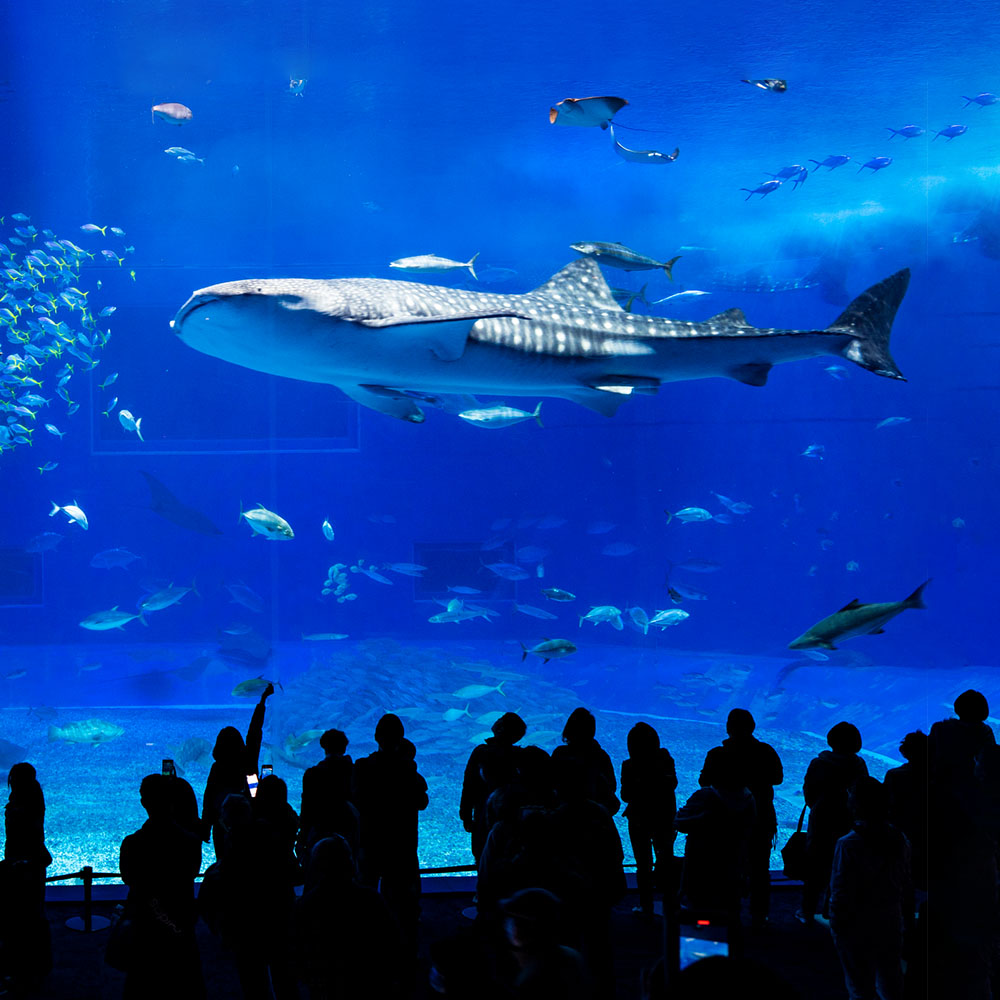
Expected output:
(389, 344)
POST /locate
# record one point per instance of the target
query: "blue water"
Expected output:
(424, 129)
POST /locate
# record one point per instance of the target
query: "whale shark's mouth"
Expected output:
(185, 312)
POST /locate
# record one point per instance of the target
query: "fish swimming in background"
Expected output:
(951, 132)
(167, 506)
(533, 612)
(172, 113)
(626, 298)
(103, 621)
(265, 522)
(815, 451)
(251, 688)
(48, 541)
(73, 512)
(379, 340)
(324, 636)
(550, 649)
(242, 594)
(672, 616)
(166, 597)
(89, 227)
(296, 86)
(430, 263)
(907, 131)
(586, 111)
(92, 731)
(690, 295)
(763, 189)
(689, 515)
(620, 256)
(876, 163)
(892, 422)
(856, 619)
(769, 83)
(642, 155)
(328, 531)
(507, 571)
(983, 100)
(831, 162)
(113, 559)
(130, 423)
(736, 506)
(501, 416)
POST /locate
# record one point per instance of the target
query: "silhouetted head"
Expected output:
(722, 772)
(389, 731)
(534, 769)
(740, 723)
(509, 728)
(868, 801)
(844, 738)
(272, 794)
(580, 726)
(330, 861)
(236, 812)
(24, 788)
(972, 706)
(643, 740)
(533, 917)
(334, 742)
(228, 744)
(913, 747)
(156, 796)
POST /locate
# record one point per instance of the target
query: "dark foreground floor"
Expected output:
(805, 956)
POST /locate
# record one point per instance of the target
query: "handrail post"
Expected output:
(88, 922)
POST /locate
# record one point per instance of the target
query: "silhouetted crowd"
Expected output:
(326, 903)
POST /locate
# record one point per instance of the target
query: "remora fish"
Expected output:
(380, 339)
(856, 619)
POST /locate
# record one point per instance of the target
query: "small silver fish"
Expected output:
(430, 263)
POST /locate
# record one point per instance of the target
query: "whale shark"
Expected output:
(392, 344)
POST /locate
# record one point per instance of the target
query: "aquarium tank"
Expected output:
(449, 359)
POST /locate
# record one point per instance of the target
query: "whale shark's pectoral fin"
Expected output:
(446, 338)
(601, 401)
(384, 400)
(626, 384)
(753, 373)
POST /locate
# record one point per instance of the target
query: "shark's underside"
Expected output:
(389, 344)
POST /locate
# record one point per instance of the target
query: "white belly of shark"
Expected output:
(389, 344)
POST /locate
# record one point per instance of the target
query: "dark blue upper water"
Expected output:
(423, 128)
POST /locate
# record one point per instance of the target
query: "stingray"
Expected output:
(164, 503)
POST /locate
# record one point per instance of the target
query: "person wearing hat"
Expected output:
(492, 765)
(546, 969)
(326, 797)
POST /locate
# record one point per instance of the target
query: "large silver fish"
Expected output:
(385, 342)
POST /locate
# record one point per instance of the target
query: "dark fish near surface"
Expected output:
(856, 619)
(620, 256)
(567, 339)
(831, 162)
(769, 83)
(164, 503)
(642, 155)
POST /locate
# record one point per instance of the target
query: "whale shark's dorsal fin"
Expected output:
(579, 283)
(732, 317)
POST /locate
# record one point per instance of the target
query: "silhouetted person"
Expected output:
(581, 750)
(347, 943)
(258, 873)
(829, 779)
(491, 765)
(759, 767)
(588, 842)
(24, 929)
(954, 744)
(546, 969)
(649, 781)
(868, 886)
(185, 805)
(158, 864)
(234, 760)
(326, 797)
(906, 788)
(389, 793)
(719, 821)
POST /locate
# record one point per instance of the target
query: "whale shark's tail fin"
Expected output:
(868, 319)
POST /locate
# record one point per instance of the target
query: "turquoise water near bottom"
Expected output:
(92, 790)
